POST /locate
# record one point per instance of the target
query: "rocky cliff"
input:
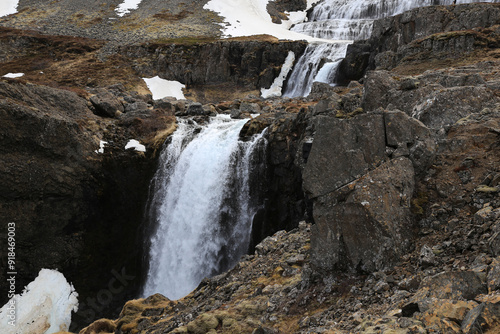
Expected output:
(400, 175)
(396, 176)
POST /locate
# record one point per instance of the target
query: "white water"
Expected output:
(309, 66)
(342, 20)
(201, 206)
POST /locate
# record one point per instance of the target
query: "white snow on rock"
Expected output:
(8, 7)
(161, 88)
(276, 87)
(250, 17)
(135, 144)
(13, 75)
(101, 146)
(126, 6)
(44, 307)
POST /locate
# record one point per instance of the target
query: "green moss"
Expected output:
(418, 203)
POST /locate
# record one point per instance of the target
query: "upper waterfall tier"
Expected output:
(373, 9)
(341, 29)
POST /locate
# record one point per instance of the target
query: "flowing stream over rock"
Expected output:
(342, 21)
(202, 206)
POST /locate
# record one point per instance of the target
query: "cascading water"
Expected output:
(342, 20)
(201, 206)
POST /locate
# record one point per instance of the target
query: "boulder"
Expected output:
(106, 104)
(494, 275)
(342, 151)
(451, 285)
(366, 224)
(484, 318)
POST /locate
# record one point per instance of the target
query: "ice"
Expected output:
(161, 88)
(44, 307)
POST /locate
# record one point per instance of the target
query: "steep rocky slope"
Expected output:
(406, 210)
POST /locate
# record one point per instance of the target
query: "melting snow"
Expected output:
(8, 7)
(276, 87)
(126, 6)
(135, 145)
(13, 75)
(44, 307)
(161, 88)
(250, 17)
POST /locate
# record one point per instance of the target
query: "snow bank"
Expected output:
(135, 144)
(161, 88)
(250, 17)
(276, 87)
(13, 75)
(44, 307)
(126, 6)
(8, 7)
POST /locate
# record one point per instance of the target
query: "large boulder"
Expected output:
(359, 175)
(365, 225)
(342, 151)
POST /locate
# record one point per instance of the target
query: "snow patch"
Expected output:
(44, 307)
(101, 146)
(250, 17)
(13, 75)
(276, 87)
(161, 88)
(135, 144)
(126, 6)
(8, 7)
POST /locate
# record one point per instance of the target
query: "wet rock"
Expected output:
(235, 114)
(196, 109)
(249, 107)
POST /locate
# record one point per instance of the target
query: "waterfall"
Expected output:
(345, 20)
(306, 70)
(202, 206)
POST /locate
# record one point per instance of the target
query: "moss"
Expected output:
(418, 203)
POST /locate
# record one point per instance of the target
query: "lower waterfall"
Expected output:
(202, 208)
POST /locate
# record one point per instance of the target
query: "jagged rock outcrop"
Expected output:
(423, 35)
(432, 96)
(347, 171)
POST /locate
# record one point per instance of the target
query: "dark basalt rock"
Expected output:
(75, 209)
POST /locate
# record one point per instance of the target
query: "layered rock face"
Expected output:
(433, 35)
(234, 67)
